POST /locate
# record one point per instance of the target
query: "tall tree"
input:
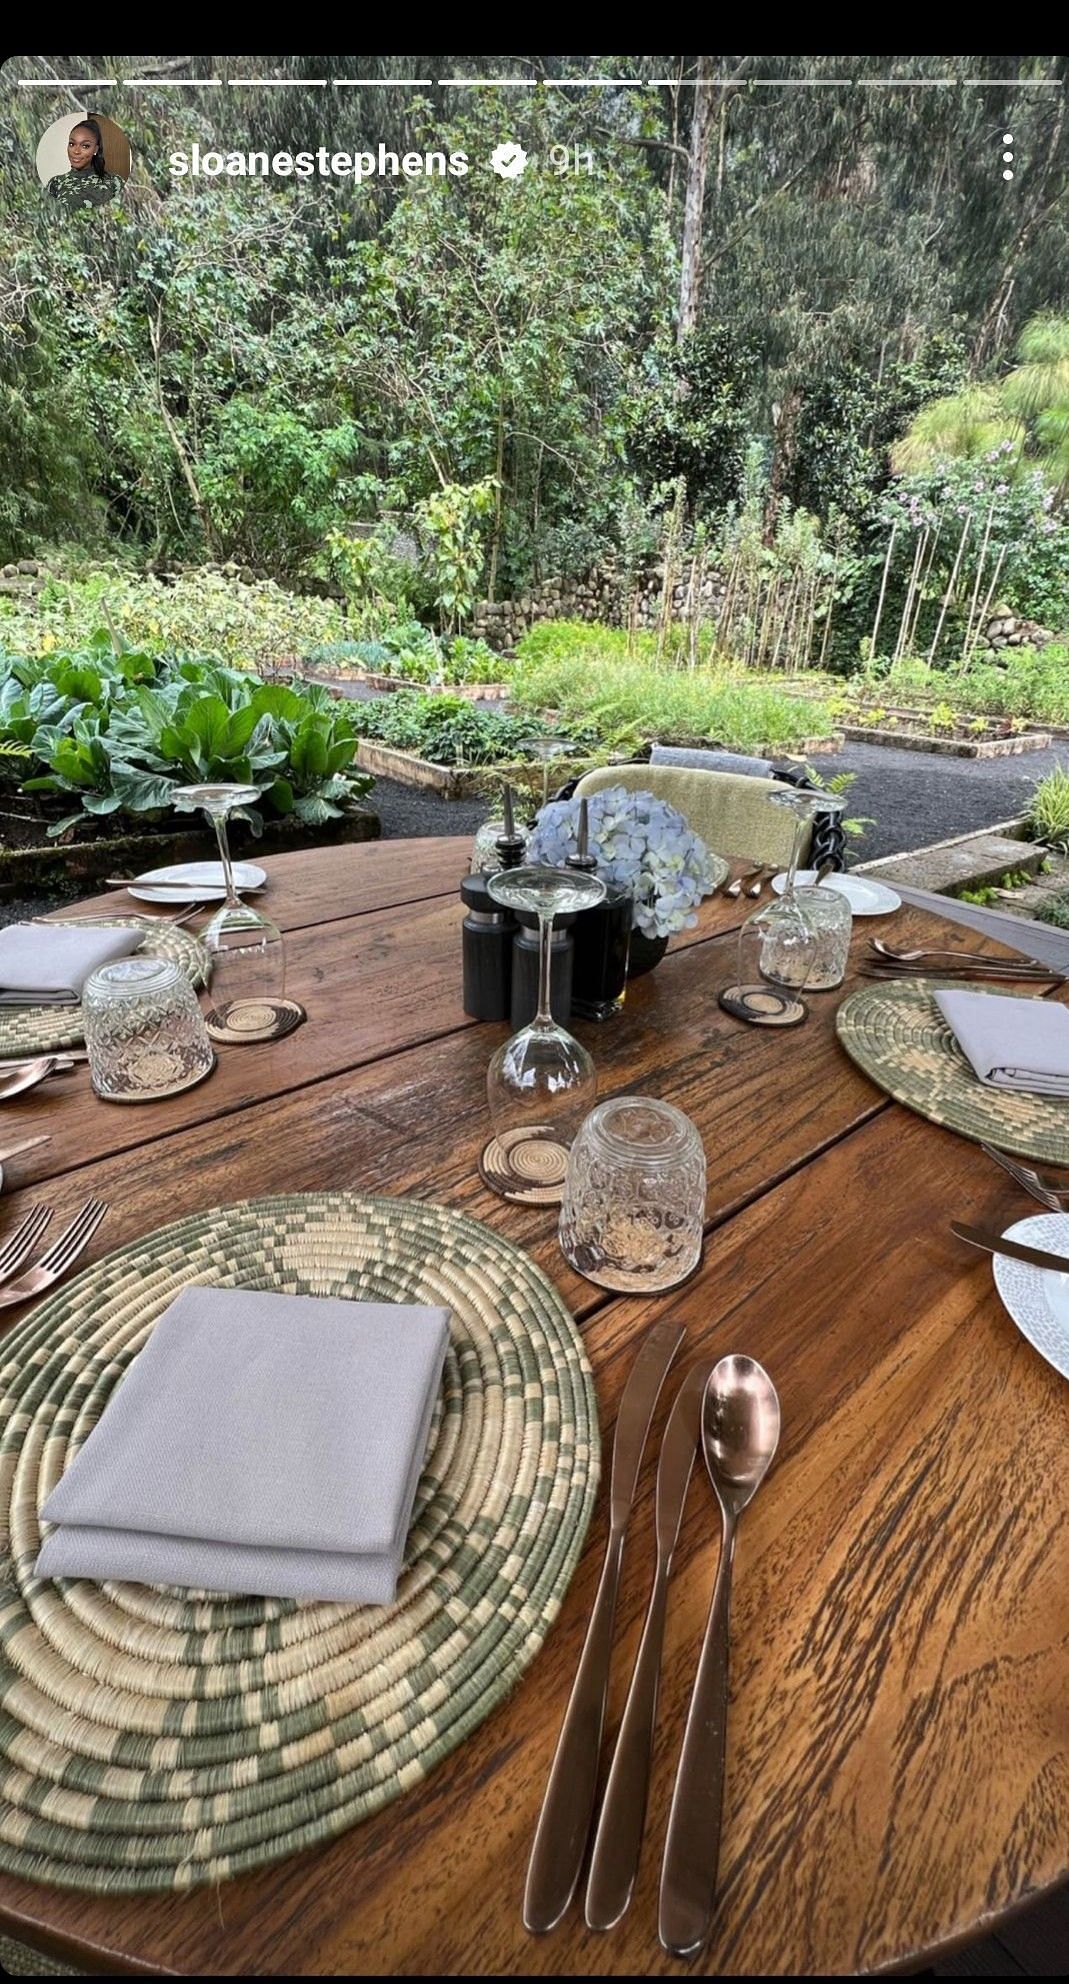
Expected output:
(701, 131)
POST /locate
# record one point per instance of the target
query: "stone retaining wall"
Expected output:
(605, 594)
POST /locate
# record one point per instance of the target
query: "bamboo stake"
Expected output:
(831, 608)
(883, 590)
(976, 587)
(925, 576)
(982, 621)
(922, 539)
(786, 617)
(950, 589)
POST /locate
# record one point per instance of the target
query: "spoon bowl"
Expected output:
(740, 1428)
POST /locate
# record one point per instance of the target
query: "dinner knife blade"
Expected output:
(994, 1243)
(621, 1821)
(564, 1822)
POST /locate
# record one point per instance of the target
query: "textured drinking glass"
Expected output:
(144, 1030)
(247, 954)
(829, 924)
(776, 946)
(634, 1196)
(790, 940)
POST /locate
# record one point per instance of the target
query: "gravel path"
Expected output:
(912, 797)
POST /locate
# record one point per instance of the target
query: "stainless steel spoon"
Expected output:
(28, 1076)
(1020, 960)
(740, 1433)
(735, 888)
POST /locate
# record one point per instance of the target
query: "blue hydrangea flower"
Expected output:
(638, 841)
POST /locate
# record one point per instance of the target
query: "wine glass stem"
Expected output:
(233, 900)
(544, 1014)
(796, 854)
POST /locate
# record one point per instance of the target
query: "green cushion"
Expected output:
(729, 810)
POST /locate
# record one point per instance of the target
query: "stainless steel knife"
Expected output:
(618, 1840)
(564, 1823)
(993, 1243)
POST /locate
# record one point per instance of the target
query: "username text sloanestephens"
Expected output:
(321, 163)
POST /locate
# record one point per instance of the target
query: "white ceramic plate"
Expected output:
(206, 878)
(1038, 1298)
(866, 898)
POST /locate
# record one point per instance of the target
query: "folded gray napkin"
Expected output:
(710, 761)
(46, 964)
(259, 1443)
(1012, 1043)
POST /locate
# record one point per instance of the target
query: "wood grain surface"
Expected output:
(898, 1759)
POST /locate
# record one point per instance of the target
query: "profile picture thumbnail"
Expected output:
(83, 160)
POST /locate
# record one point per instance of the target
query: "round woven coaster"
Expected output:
(897, 1034)
(763, 1005)
(247, 1021)
(158, 1739)
(527, 1166)
(43, 1029)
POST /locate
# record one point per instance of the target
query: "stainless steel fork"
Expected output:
(60, 1256)
(1054, 1197)
(21, 1243)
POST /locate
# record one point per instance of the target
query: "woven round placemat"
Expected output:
(157, 1739)
(45, 1029)
(897, 1034)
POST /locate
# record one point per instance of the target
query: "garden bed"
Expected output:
(470, 781)
(456, 781)
(958, 742)
(41, 863)
(470, 692)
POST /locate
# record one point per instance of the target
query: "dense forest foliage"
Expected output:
(754, 297)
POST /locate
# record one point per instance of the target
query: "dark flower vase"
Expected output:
(644, 953)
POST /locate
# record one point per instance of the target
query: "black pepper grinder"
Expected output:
(602, 938)
(488, 931)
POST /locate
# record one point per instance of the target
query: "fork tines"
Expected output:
(76, 1237)
(21, 1243)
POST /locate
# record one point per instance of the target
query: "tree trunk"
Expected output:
(499, 471)
(701, 128)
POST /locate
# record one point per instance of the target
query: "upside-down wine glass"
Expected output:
(793, 942)
(541, 1083)
(246, 950)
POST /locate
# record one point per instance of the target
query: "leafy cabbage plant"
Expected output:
(118, 733)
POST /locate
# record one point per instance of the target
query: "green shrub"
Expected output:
(568, 640)
(447, 729)
(117, 734)
(203, 611)
(1028, 683)
(1048, 814)
(628, 703)
(1055, 910)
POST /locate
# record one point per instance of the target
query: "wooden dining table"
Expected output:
(898, 1740)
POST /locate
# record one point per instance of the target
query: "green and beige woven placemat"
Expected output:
(47, 1029)
(897, 1034)
(153, 1739)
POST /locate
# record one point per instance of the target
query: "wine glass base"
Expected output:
(763, 1005)
(526, 1166)
(245, 1021)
